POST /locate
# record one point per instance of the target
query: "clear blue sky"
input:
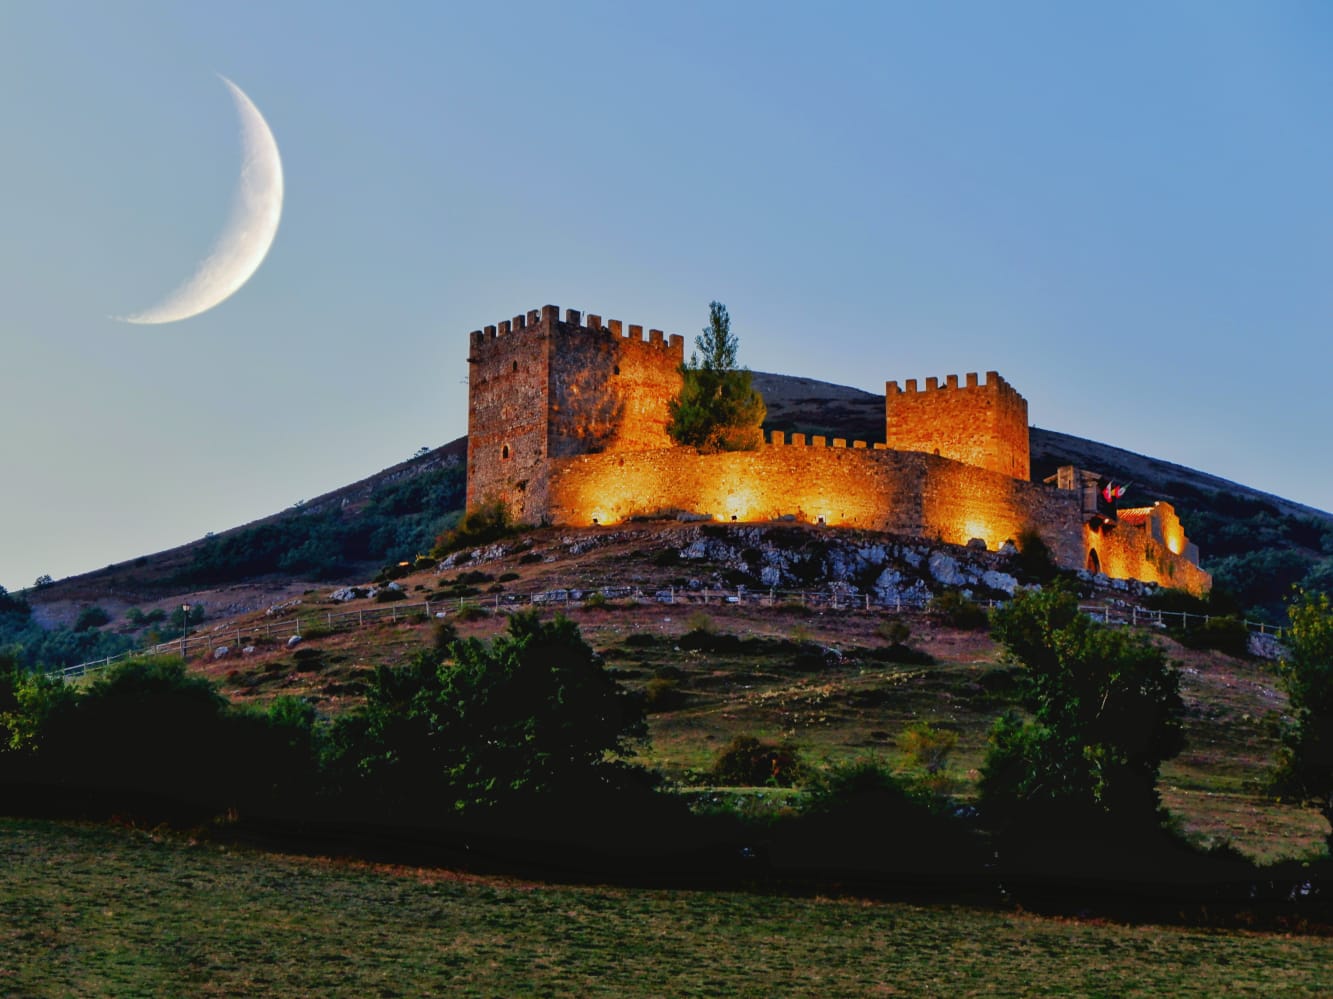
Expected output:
(1125, 209)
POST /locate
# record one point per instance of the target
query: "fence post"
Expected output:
(428, 607)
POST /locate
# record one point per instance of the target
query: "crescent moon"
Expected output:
(253, 223)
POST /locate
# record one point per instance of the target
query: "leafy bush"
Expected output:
(748, 762)
(136, 618)
(894, 631)
(1225, 634)
(91, 617)
(862, 818)
(663, 693)
(388, 594)
(483, 524)
(1035, 561)
(957, 611)
(927, 747)
(471, 612)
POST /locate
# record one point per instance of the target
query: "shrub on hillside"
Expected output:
(1035, 561)
(483, 524)
(663, 693)
(531, 713)
(1229, 635)
(954, 609)
(91, 617)
(748, 762)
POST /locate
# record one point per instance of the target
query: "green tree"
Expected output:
(1105, 712)
(718, 409)
(529, 713)
(1305, 764)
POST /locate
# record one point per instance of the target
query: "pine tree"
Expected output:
(717, 409)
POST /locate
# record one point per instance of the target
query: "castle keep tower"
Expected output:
(984, 425)
(540, 388)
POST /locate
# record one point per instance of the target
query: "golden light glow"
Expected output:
(978, 529)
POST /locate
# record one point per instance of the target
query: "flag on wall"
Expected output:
(1112, 492)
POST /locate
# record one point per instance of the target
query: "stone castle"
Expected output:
(567, 424)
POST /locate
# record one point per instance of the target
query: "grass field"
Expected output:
(100, 911)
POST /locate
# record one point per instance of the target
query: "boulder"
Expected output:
(294, 641)
(1001, 581)
(221, 652)
(945, 569)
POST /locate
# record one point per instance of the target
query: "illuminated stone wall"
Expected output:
(539, 387)
(874, 488)
(1148, 544)
(983, 424)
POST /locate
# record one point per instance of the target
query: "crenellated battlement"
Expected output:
(992, 383)
(779, 438)
(982, 423)
(543, 321)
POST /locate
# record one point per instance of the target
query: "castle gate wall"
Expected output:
(983, 424)
(1147, 544)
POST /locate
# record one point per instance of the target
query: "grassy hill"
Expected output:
(818, 676)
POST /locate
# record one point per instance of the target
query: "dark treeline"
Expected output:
(517, 753)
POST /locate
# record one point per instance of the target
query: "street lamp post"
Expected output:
(185, 626)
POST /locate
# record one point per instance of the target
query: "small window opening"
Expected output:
(616, 369)
(515, 368)
(1094, 563)
(504, 451)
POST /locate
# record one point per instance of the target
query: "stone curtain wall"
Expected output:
(982, 424)
(877, 489)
